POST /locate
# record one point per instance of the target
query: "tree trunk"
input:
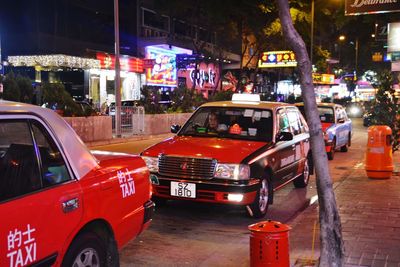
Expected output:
(332, 248)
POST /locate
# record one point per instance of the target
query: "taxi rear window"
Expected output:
(230, 122)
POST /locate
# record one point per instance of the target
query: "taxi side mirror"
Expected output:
(175, 128)
(284, 136)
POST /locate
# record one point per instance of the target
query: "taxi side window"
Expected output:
(294, 121)
(19, 169)
(54, 169)
(283, 120)
(340, 114)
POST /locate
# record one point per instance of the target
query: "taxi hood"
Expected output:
(221, 149)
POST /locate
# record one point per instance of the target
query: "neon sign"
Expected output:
(130, 64)
(163, 73)
(274, 59)
(206, 77)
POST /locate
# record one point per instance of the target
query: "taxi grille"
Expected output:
(188, 168)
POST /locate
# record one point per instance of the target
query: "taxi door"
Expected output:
(285, 151)
(40, 202)
(342, 127)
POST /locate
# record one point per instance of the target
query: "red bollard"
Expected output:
(379, 158)
(269, 244)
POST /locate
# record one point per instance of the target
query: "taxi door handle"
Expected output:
(70, 205)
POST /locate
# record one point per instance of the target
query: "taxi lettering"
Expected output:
(21, 247)
(287, 161)
(126, 183)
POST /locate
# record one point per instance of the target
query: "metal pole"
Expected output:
(117, 72)
(356, 65)
(312, 32)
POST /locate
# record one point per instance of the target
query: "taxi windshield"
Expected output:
(230, 122)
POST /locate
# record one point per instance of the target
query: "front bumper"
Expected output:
(328, 145)
(210, 190)
(148, 211)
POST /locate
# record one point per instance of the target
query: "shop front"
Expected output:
(101, 80)
(57, 68)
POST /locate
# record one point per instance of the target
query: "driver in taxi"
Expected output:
(213, 124)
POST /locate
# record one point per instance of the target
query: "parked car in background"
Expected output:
(87, 109)
(124, 103)
(62, 204)
(336, 127)
(232, 152)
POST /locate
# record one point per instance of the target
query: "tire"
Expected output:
(87, 249)
(331, 154)
(349, 140)
(302, 180)
(345, 148)
(259, 207)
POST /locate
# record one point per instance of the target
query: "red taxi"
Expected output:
(61, 204)
(232, 152)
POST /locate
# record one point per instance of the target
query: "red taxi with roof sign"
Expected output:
(61, 204)
(232, 152)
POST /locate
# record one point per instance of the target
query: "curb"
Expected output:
(121, 140)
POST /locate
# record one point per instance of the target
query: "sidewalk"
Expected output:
(370, 214)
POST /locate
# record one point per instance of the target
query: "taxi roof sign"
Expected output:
(246, 97)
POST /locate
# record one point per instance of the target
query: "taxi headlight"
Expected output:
(232, 171)
(152, 163)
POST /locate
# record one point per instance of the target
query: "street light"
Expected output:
(343, 38)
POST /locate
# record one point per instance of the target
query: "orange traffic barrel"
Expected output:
(269, 244)
(379, 158)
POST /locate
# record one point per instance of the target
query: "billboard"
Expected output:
(359, 7)
(275, 59)
(393, 37)
(206, 77)
(164, 72)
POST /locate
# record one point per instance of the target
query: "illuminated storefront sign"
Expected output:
(359, 7)
(323, 78)
(130, 64)
(274, 59)
(207, 76)
(163, 73)
(393, 37)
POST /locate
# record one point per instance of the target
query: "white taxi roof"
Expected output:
(78, 155)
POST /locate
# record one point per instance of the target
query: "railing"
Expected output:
(132, 120)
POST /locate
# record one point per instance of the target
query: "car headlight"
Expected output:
(152, 163)
(354, 110)
(232, 171)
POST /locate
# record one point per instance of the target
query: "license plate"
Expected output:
(179, 189)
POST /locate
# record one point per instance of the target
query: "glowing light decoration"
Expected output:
(54, 61)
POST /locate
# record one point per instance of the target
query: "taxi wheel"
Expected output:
(302, 180)
(331, 154)
(259, 207)
(88, 249)
(344, 148)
